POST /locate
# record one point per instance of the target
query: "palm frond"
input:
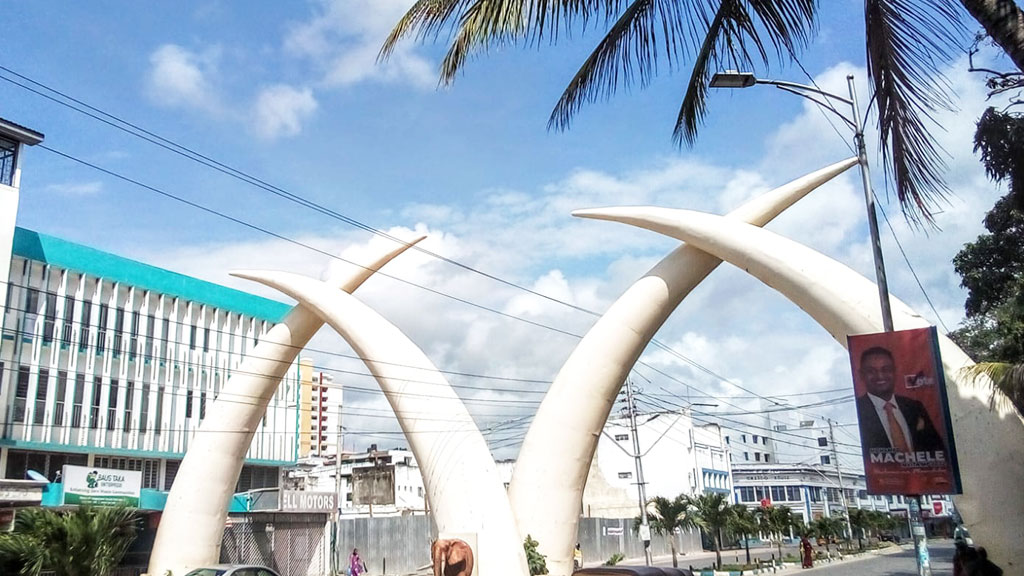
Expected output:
(1006, 380)
(907, 41)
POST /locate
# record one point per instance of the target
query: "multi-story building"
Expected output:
(815, 490)
(677, 458)
(109, 362)
(372, 483)
(320, 413)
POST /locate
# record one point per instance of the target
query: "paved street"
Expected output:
(899, 563)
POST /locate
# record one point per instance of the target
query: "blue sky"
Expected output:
(290, 93)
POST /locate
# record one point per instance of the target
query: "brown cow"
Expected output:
(451, 558)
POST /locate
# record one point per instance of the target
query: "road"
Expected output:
(899, 563)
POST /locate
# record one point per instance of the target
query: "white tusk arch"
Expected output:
(546, 492)
(990, 443)
(192, 524)
(461, 479)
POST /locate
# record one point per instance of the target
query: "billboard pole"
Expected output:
(913, 500)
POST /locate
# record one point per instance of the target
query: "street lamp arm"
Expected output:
(825, 104)
(793, 87)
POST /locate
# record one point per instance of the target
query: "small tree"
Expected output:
(82, 542)
(861, 521)
(828, 528)
(711, 512)
(743, 523)
(666, 517)
(776, 520)
(537, 562)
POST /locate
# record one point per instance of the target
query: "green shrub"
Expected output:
(615, 559)
(537, 561)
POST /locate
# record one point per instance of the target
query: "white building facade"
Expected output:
(109, 362)
(677, 457)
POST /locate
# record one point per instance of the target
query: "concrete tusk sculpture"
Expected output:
(192, 524)
(546, 492)
(990, 442)
(459, 473)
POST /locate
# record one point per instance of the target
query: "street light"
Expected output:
(735, 79)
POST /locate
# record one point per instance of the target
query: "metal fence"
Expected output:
(292, 544)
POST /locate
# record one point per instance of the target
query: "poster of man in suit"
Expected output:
(905, 432)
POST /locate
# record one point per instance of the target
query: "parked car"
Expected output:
(233, 570)
(633, 571)
(888, 536)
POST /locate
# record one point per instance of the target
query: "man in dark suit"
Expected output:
(888, 420)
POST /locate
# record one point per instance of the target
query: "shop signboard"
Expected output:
(300, 501)
(905, 430)
(91, 486)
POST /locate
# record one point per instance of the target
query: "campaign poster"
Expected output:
(905, 431)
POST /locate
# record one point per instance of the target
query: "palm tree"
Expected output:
(743, 523)
(776, 520)
(861, 521)
(907, 43)
(82, 542)
(711, 512)
(828, 527)
(668, 516)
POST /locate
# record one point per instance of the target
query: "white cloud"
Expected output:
(280, 111)
(180, 78)
(76, 188)
(737, 330)
(344, 37)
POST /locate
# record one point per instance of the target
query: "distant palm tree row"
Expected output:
(713, 514)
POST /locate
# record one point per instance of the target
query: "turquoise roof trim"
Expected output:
(35, 246)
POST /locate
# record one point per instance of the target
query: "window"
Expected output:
(188, 404)
(112, 405)
(150, 328)
(94, 412)
(118, 330)
(746, 493)
(144, 408)
(815, 493)
(757, 456)
(159, 409)
(129, 393)
(76, 408)
(754, 438)
(824, 441)
(793, 493)
(206, 339)
(40, 413)
(764, 440)
(726, 439)
(827, 459)
(625, 475)
(101, 334)
(69, 314)
(8, 156)
(744, 438)
(49, 317)
(746, 456)
(767, 457)
(83, 342)
(58, 406)
(778, 493)
(21, 394)
(133, 345)
(621, 437)
(202, 405)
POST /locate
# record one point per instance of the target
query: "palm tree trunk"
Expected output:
(718, 551)
(672, 541)
(1003, 20)
(746, 541)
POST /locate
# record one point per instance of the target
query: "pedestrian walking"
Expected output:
(808, 553)
(356, 566)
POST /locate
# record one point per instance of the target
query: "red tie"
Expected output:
(899, 441)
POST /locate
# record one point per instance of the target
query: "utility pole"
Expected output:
(645, 527)
(338, 452)
(839, 471)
